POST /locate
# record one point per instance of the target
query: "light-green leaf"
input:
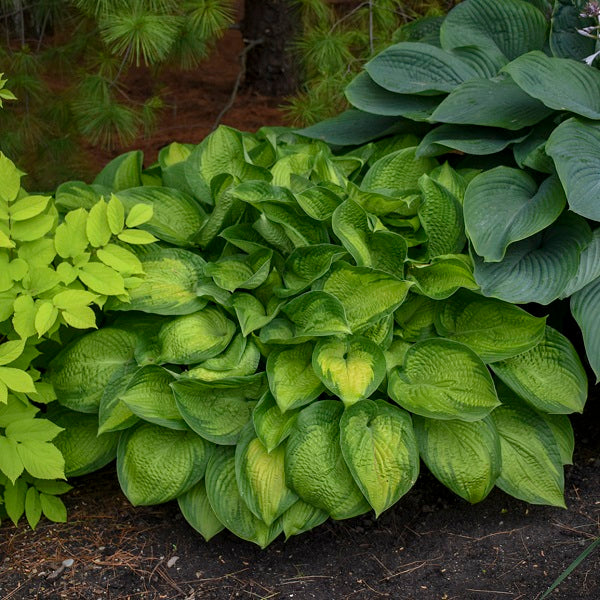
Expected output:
(196, 509)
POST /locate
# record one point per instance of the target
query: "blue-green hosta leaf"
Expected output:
(416, 318)
(350, 367)
(496, 330)
(241, 271)
(149, 396)
(380, 449)
(314, 464)
(538, 268)
(465, 457)
(441, 217)
(565, 40)
(497, 102)
(443, 379)
(197, 511)
(292, 379)
(573, 146)
(443, 276)
(514, 26)
(272, 426)
(363, 93)
(122, 172)
(191, 339)
(218, 414)
(81, 371)
(589, 266)
(505, 205)
(585, 306)
(260, 477)
(563, 433)
(317, 313)
(486, 60)
(366, 294)
(155, 464)
(227, 503)
(531, 152)
(532, 468)
(413, 68)
(560, 83)
(467, 139)
(301, 517)
(550, 376)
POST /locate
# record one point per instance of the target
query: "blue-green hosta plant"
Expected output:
(309, 327)
(54, 268)
(506, 84)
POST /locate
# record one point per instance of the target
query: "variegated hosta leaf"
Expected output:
(314, 465)
(394, 355)
(496, 330)
(250, 312)
(539, 268)
(193, 338)
(281, 331)
(261, 477)
(113, 414)
(271, 425)
(350, 367)
(301, 517)
(380, 449)
(367, 295)
(380, 333)
(532, 468)
(505, 205)
(216, 414)
(155, 464)
(415, 318)
(197, 511)
(241, 271)
(122, 172)
(229, 507)
(550, 376)
(443, 276)
(317, 313)
(585, 306)
(149, 396)
(81, 371)
(443, 379)
(169, 287)
(292, 380)
(589, 266)
(465, 457)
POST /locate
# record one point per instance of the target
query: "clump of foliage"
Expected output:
(69, 61)
(309, 327)
(511, 91)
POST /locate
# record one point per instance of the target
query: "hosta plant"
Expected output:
(507, 84)
(309, 327)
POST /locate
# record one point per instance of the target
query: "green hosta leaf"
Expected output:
(563, 433)
(538, 268)
(196, 509)
(441, 217)
(250, 312)
(218, 414)
(532, 467)
(82, 370)
(560, 83)
(351, 367)
(102, 279)
(83, 449)
(302, 517)
(317, 313)
(550, 376)
(318, 202)
(497, 102)
(292, 380)
(149, 396)
(413, 68)
(247, 272)
(496, 330)
(367, 295)
(272, 426)
(467, 139)
(379, 447)
(260, 477)
(77, 194)
(585, 306)
(363, 93)
(443, 276)
(443, 379)
(155, 464)
(193, 338)
(229, 507)
(314, 464)
(514, 26)
(465, 457)
(122, 172)
(505, 205)
(589, 266)
(169, 287)
(114, 415)
(574, 148)
(565, 40)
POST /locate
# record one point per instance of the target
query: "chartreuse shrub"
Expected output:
(309, 326)
(507, 85)
(53, 269)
